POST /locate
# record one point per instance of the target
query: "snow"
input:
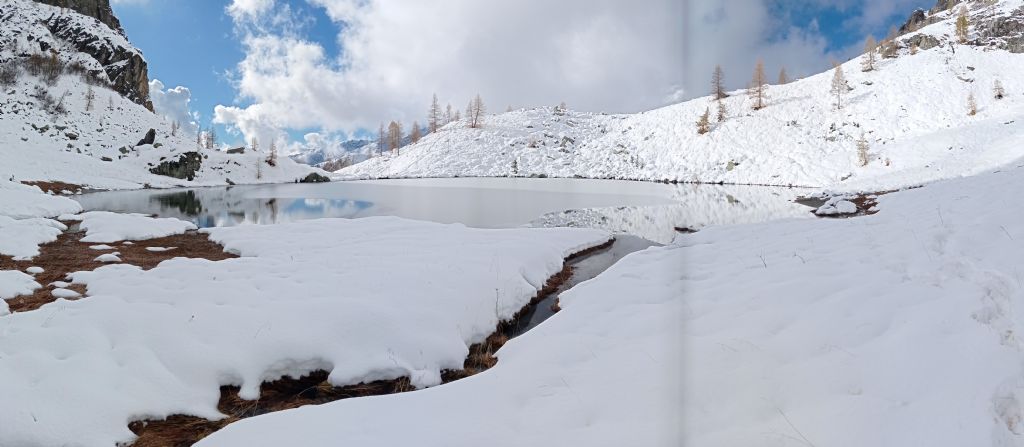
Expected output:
(108, 257)
(104, 226)
(20, 239)
(65, 293)
(898, 328)
(374, 298)
(836, 206)
(34, 270)
(12, 284)
(160, 249)
(101, 247)
(911, 109)
(35, 144)
(22, 201)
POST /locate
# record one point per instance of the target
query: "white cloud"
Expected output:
(173, 103)
(600, 55)
(248, 9)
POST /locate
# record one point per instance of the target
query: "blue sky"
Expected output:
(194, 43)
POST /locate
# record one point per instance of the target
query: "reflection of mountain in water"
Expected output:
(185, 202)
(699, 206)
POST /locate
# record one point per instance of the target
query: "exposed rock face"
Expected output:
(1006, 32)
(315, 178)
(184, 167)
(923, 41)
(123, 65)
(916, 20)
(98, 9)
(149, 138)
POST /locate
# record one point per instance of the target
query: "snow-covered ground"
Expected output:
(898, 328)
(367, 299)
(104, 226)
(912, 110)
(96, 147)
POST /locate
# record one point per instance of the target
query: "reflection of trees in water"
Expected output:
(185, 201)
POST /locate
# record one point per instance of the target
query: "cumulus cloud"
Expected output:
(600, 55)
(173, 103)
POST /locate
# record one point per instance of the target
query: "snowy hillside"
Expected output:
(51, 130)
(912, 110)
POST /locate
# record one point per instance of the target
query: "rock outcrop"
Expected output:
(85, 36)
(97, 9)
(184, 167)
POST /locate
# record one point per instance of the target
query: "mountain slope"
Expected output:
(50, 129)
(912, 109)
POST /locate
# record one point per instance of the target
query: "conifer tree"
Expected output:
(862, 150)
(434, 116)
(448, 116)
(394, 136)
(722, 111)
(704, 123)
(475, 112)
(997, 90)
(889, 45)
(414, 135)
(718, 83)
(972, 105)
(758, 90)
(962, 23)
(783, 77)
(868, 63)
(381, 139)
(839, 87)
(272, 158)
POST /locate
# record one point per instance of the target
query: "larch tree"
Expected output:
(889, 45)
(254, 146)
(90, 97)
(434, 116)
(272, 158)
(381, 139)
(704, 123)
(839, 86)
(394, 136)
(414, 135)
(174, 128)
(211, 138)
(870, 46)
(475, 112)
(783, 77)
(862, 150)
(722, 111)
(758, 87)
(962, 23)
(972, 105)
(199, 138)
(448, 116)
(718, 83)
(997, 90)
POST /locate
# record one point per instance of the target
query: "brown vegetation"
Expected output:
(68, 254)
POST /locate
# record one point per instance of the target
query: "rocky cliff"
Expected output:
(82, 33)
(97, 9)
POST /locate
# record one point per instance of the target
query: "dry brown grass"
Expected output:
(56, 187)
(69, 254)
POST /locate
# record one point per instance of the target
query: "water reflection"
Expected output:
(648, 210)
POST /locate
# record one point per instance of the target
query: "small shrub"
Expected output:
(9, 74)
